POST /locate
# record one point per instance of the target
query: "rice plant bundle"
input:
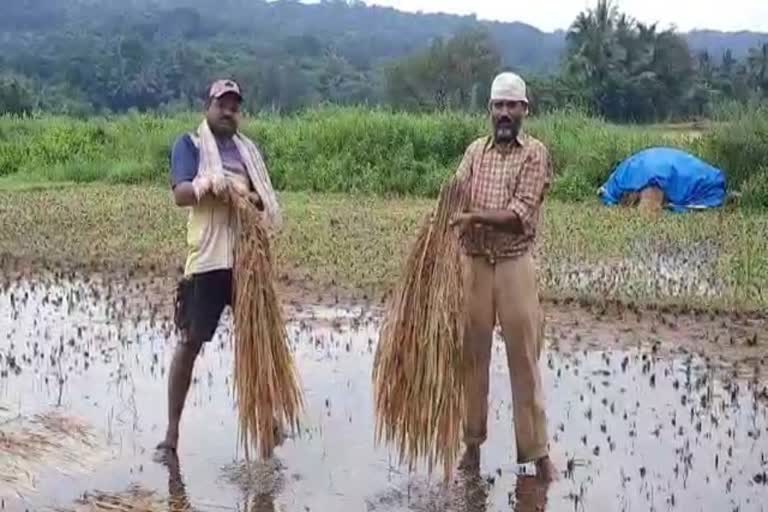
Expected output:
(134, 499)
(417, 374)
(31, 446)
(266, 383)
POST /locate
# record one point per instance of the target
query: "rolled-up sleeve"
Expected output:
(532, 184)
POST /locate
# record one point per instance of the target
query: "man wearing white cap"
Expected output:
(206, 167)
(507, 177)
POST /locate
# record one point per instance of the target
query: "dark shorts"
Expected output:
(200, 301)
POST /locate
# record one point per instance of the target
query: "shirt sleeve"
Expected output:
(464, 171)
(532, 185)
(184, 160)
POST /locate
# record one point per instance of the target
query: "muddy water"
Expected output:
(632, 430)
(656, 270)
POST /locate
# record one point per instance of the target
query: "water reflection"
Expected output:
(178, 501)
(254, 481)
(668, 419)
(468, 492)
(529, 494)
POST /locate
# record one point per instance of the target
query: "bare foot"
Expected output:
(545, 470)
(470, 461)
(531, 493)
(165, 456)
(169, 445)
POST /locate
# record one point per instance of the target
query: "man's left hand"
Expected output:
(463, 221)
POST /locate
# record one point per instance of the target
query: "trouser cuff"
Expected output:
(474, 440)
(532, 456)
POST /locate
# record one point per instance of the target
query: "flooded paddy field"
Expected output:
(648, 410)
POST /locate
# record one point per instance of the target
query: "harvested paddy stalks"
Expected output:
(135, 499)
(45, 442)
(417, 373)
(266, 383)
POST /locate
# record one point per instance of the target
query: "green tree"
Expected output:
(108, 56)
(453, 74)
(630, 71)
(592, 44)
(17, 95)
(758, 69)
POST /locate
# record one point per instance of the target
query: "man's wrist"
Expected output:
(476, 217)
(198, 191)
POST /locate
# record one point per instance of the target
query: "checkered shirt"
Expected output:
(513, 178)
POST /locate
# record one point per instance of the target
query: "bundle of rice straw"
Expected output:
(417, 373)
(134, 499)
(31, 446)
(266, 383)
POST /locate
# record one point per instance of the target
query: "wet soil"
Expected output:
(648, 410)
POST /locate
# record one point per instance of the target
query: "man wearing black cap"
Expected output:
(206, 167)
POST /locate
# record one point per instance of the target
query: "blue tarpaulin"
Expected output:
(688, 183)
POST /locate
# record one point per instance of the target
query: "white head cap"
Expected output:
(508, 87)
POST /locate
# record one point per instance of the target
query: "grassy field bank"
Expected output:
(370, 151)
(716, 259)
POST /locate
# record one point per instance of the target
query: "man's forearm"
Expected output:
(504, 220)
(184, 194)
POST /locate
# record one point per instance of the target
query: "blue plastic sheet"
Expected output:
(688, 182)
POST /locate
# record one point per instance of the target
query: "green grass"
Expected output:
(371, 152)
(354, 242)
(13, 183)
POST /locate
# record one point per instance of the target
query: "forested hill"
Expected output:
(117, 54)
(717, 43)
(363, 33)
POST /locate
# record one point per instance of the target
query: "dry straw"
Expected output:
(45, 442)
(417, 373)
(140, 499)
(266, 383)
(135, 499)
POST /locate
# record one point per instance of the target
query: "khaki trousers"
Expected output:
(507, 290)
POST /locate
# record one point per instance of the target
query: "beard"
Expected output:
(223, 127)
(506, 129)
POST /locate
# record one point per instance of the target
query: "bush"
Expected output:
(739, 146)
(367, 151)
(585, 150)
(755, 190)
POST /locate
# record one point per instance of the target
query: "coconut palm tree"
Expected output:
(758, 68)
(633, 71)
(592, 41)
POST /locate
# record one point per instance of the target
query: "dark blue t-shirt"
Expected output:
(185, 159)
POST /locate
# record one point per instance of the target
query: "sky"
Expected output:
(549, 15)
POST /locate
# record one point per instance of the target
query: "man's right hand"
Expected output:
(214, 185)
(463, 222)
(219, 186)
(202, 185)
